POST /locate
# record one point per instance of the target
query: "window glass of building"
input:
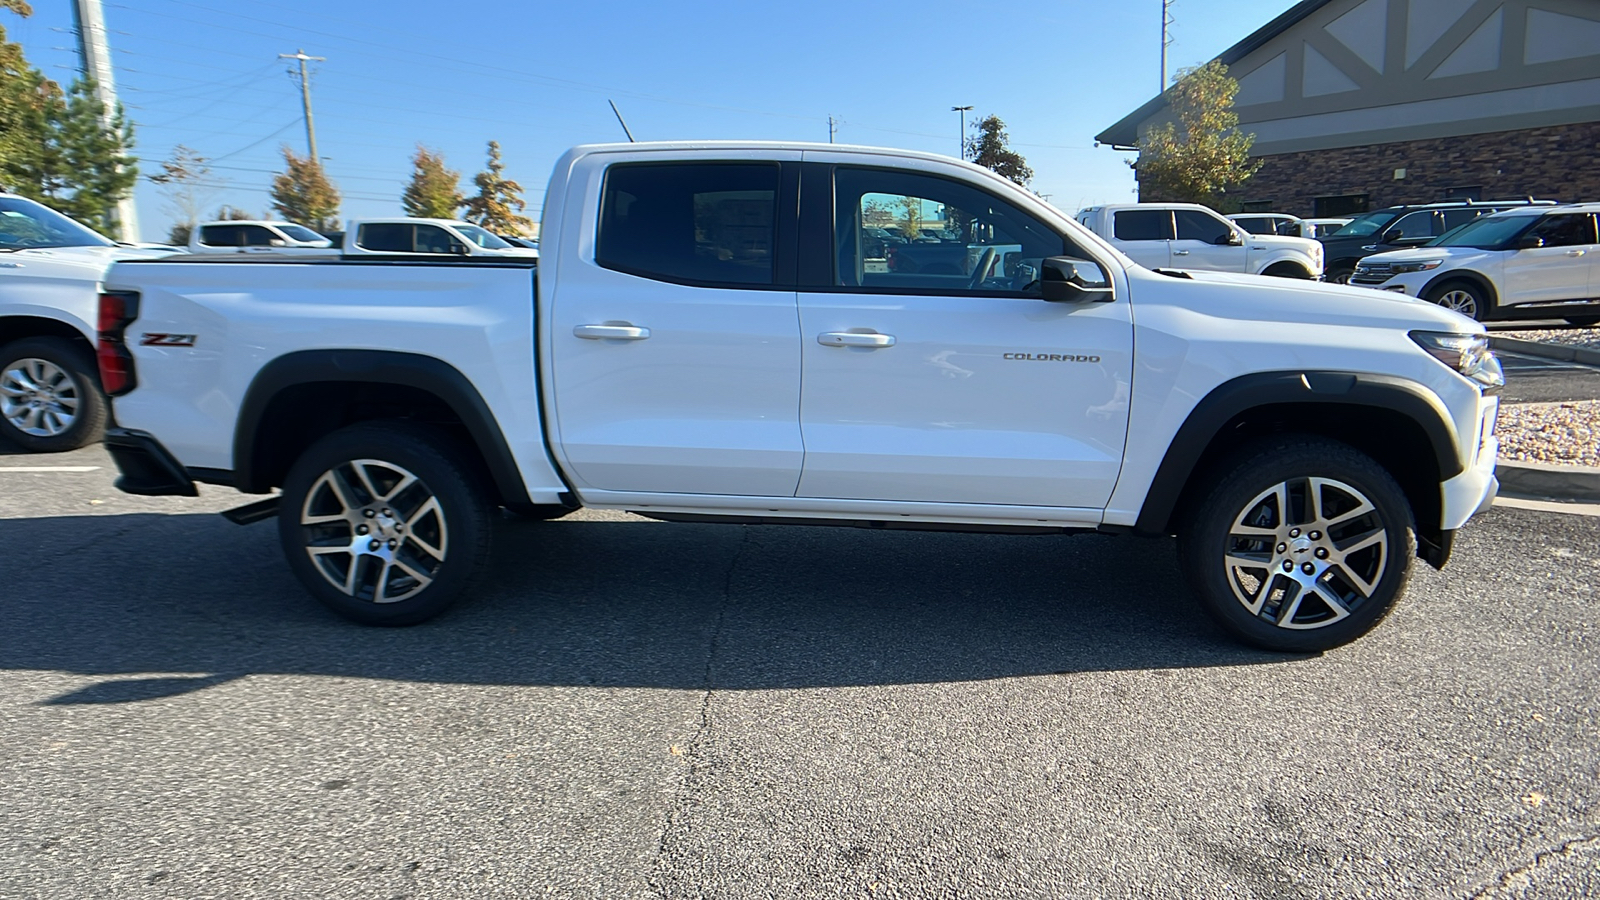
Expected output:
(710, 223)
(1142, 225)
(917, 233)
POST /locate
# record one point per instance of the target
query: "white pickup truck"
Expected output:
(361, 237)
(703, 341)
(1190, 236)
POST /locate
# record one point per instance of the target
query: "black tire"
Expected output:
(1583, 321)
(1287, 270)
(1338, 274)
(1340, 598)
(71, 410)
(425, 567)
(1465, 297)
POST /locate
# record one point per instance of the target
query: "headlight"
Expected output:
(1468, 354)
(1421, 265)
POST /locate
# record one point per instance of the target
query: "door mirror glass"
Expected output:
(1530, 242)
(1064, 279)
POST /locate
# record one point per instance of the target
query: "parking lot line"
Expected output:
(49, 468)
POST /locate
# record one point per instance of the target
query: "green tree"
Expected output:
(85, 165)
(303, 194)
(1202, 157)
(434, 191)
(987, 148)
(499, 200)
(24, 96)
(186, 182)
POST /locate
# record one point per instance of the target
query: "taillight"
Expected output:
(117, 312)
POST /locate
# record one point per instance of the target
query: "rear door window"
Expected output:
(1142, 225)
(694, 223)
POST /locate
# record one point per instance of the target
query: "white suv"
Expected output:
(1532, 263)
(1191, 236)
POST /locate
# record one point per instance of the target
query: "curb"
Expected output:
(1561, 352)
(1543, 481)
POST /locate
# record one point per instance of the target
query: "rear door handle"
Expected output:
(854, 339)
(611, 332)
(1575, 252)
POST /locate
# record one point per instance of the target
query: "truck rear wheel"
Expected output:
(382, 524)
(1303, 545)
(50, 398)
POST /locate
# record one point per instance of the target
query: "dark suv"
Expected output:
(1401, 227)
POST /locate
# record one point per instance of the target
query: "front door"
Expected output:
(1144, 234)
(1560, 269)
(962, 387)
(1202, 242)
(676, 350)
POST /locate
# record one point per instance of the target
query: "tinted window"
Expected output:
(1142, 225)
(220, 236)
(1252, 224)
(406, 237)
(1457, 217)
(1488, 232)
(1565, 230)
(915, 233)
(1194, 225)
(690, 222)
(256, 236)
(1412, 225)
(300, 232)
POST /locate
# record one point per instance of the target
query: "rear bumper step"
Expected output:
(148, 469)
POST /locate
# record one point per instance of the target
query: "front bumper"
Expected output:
(148, 469)
(1472, 491)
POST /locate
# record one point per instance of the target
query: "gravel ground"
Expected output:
(1560, 433)
(1579, 337)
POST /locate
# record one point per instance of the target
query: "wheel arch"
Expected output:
(16, 328)
(1301, 270)
(351, 386)
(1398, 423)
(1468, 275)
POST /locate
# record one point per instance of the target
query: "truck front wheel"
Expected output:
(382, 524)
(1304, 544)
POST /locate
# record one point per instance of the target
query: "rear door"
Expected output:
(1559, 270)
(675, 338)
(1144, 234)
(958, 388)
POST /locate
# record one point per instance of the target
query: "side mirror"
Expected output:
(1063, 279)
(459, 249)
(276, 242)
(1530, 242)
(1230, 239)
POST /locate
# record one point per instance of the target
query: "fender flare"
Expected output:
(378, 367)
(1240, 395)
(1464, 275)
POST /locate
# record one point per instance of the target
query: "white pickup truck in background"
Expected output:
(361, 237)
(705, 340)
(1193, 237)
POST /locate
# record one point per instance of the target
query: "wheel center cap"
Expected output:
(1301, 545)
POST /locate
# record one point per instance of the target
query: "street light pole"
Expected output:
(962, 143)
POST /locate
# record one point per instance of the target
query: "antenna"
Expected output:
(619, 120)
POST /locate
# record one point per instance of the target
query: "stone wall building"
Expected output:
(1362, 104)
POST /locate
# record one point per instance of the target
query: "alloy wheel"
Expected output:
(1459, 300)
(1306, 553)
(38, 397)
(374, 531)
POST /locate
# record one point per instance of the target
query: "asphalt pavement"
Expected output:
(636, 709)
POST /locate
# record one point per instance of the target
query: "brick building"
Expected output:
(1361, 104)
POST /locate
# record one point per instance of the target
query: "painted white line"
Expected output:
(49, 468)
(1571, 509)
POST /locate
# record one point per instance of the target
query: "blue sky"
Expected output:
(536, 76)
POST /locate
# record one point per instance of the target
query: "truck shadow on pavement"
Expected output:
(189, 601)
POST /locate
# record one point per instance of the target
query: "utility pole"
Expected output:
(94, 61)
(961, 144)
(833, 129)
(305, 99)
(1166, 41)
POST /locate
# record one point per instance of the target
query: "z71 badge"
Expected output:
(150, 339)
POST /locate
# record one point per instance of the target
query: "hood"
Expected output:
(1267, 299)
(1414, 253)
(93, 261)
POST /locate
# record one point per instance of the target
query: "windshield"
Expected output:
(24, 224)
(1487, 233)
(482, 238)
(1365, 224)
(300, 233)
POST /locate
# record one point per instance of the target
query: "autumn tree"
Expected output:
(303, 194)
(228, 213)
(24, 95)
(434, 191)
(1201, 157)
(987, 148)
(499, 202)
(186, 182)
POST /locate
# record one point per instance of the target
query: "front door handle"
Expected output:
(1574, 252)
(611, 332)
(1180, 253)
(855, 339)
